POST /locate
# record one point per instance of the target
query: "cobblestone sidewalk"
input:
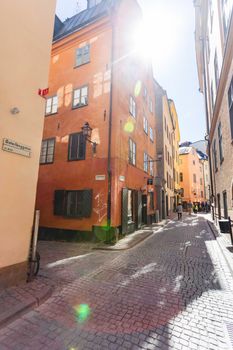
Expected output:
(173, 291)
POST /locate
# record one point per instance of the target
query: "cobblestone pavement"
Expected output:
(173, 291)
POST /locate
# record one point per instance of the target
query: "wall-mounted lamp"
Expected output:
(87, 130)
(15, 110)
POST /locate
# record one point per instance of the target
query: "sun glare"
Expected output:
(157, 36)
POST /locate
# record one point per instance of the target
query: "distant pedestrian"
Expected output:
(189, 207)
(179, 211)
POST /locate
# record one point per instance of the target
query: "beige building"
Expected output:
(191, 176)
(167, 146)
(175, 152)
(214, 51)
(25, 55)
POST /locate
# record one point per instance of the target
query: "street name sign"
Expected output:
(16, 147)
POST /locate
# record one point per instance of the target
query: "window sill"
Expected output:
(82, 64)
(81, 106)
(75, 160)
(47, 115)
(48, 163)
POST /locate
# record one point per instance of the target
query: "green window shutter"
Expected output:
(87, 203)
(59, 202)
(139, 203)
(124, 210)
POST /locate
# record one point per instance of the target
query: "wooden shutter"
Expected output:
(124, 210)
(59, 202)
(81, 146)
(139, 202)
(87, 203)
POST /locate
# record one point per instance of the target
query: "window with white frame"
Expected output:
(150, 105)
(151, 166)
(145, 162)
(145, 125)
(132, 152)
(151, 134)
(51, 105)
(82, 55)
(80, 97)
(47, 151)
(132, 106)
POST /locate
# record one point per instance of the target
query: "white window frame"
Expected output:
(51, 105)
(145, 165)
(82, 55)
(145, 125)
(132, 106)
(132, 152)
(47, 151)
(151, 134)
(80, 97)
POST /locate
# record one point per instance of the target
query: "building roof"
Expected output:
(184, 150)
(89, 15)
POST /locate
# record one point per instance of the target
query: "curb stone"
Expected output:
(24, 307)
(223, 249)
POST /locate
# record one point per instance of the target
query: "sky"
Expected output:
(170, 25)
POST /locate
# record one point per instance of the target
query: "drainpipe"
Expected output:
(110, 134)
(208, 126)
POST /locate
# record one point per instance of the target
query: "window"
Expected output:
(168, 185)
(151, 166)
(132, 152)
(80, 97)
(74, 204)
(145, 162)
(194, 178)
(216, 70)
(82, 55)
(166, 152)
(150, 105)
(77, 147)
(145, 125)
(165, 124)
(194, 162)
(151, 134)
(132, 107)
(51, 105)
(202, 195)
(230, 104)
(215, 156)
(201, 183)
(47, 151)
(220, 142)
(181, 177)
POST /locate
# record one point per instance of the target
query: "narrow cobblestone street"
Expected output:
(173, 291)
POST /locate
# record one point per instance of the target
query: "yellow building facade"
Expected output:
(25, 55)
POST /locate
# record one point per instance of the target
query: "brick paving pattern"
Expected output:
(173, 291)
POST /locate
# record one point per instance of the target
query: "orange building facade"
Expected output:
(191, 176)
(103, 182)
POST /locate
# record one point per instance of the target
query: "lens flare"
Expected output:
(82, 312)
(138, 88)
(129, 126)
